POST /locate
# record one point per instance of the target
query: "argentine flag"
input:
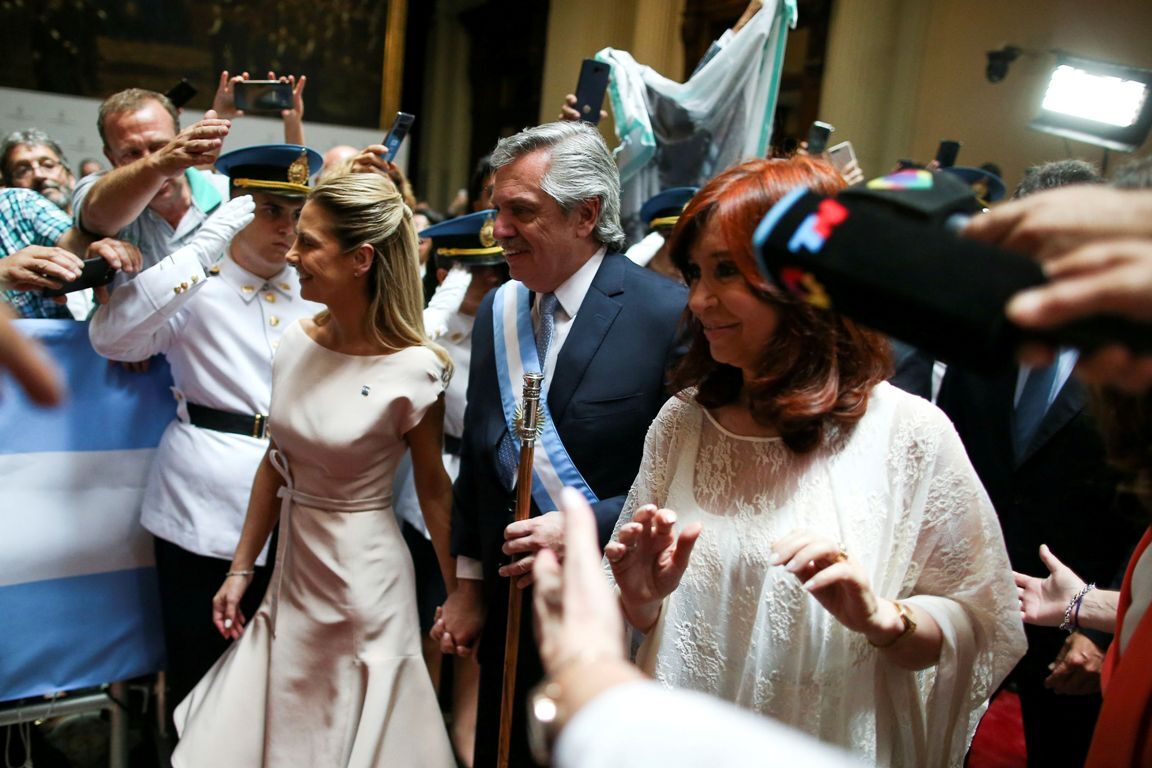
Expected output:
(78, 598)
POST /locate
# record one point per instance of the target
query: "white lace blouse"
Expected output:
(899, 492)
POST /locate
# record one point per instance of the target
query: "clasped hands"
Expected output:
(459, 621)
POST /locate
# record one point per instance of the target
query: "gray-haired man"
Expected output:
(607, 331)
(31, 159)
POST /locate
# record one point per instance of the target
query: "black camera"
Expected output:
(998, 62)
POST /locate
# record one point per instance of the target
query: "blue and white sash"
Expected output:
(515, 341)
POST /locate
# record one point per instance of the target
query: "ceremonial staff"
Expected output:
(527, 427)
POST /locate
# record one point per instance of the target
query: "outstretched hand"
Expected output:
(648, 561)
(197, 145)
(1043, 601)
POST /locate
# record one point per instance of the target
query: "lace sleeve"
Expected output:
(651, 483)
(961, 577)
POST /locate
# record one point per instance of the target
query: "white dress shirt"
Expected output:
(570, 296)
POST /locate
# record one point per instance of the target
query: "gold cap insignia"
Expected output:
(298, 171)
(487, 233)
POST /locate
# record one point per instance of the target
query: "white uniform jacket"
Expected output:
(219, 333)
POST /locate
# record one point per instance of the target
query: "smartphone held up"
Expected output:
(590, 89)
(818, 134)
(396, 134)
(262, 97)
(181, 93)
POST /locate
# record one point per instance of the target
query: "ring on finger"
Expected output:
(841, 554)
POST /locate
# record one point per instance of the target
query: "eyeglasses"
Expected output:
(23, 169)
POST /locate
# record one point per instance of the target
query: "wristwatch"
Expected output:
(543, 720)
(909, 625)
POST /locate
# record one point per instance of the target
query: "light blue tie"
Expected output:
(1032, 406)
(507, 457)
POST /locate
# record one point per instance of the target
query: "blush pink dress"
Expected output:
(329, 671)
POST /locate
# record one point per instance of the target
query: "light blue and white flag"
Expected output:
(78, 598)
(676, 134)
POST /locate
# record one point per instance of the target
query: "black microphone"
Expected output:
(883, 254)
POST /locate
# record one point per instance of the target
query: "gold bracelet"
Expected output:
(909, 626)
(239, 573)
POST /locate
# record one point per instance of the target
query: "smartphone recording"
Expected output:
(590, 89)
(396, 134)
(818, 135)
(262, 96)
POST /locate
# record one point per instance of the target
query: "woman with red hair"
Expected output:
(849, 576)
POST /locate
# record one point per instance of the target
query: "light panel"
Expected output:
(1100, 103)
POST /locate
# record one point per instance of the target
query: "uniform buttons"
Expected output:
(177, 290)
(284, 286)
(273, 321)
(270, 297)
(248, 288)
(195, 279)
(214, 269)
(183, 286)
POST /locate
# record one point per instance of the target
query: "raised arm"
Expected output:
(132, 324)
(121, 195)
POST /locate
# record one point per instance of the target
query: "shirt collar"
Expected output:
(570, 293)
(205, 196)
(249, 286)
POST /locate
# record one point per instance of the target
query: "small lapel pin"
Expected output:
(364, 390)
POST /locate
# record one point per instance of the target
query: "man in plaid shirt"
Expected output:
(35, 240)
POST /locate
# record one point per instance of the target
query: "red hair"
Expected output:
(818, 367)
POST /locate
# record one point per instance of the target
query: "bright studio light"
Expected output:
(1097, 102)
(1103, 98)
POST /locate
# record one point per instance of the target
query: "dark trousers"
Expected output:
(529, 672)
(188, 582)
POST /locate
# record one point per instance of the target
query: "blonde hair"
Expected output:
(367, 208)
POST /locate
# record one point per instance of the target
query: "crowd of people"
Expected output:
(734, 513)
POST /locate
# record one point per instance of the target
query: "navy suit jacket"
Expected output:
(608, 386)
(1060, 492)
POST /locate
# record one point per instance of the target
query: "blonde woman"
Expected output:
(329, 672)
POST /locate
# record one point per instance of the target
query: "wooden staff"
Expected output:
(527, 428)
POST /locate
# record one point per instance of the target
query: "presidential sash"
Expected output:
(515, 346)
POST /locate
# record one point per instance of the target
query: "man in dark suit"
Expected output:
(603, 331)
(1052, 486)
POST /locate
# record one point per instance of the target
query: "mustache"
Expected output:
(48, 185)
(55, 193)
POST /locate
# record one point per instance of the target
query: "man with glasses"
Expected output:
(31, 159)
